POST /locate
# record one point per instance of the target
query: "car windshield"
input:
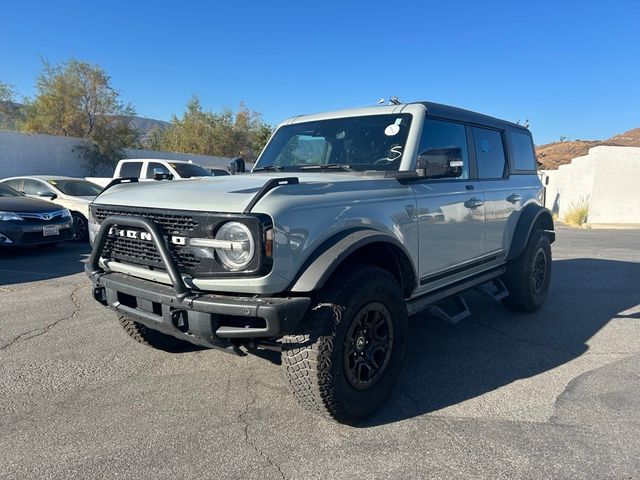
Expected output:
(6, 191)
(188, 170)
(76, 188)
(373, 142)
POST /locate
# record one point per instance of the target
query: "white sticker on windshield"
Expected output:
(391, 130)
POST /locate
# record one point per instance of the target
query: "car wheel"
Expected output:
(153, 338)
(347, 357)
(81, 227)
(528, 276)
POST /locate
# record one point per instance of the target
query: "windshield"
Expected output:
(77, 188)
(188, 170)
(6, 191)
(374, 142)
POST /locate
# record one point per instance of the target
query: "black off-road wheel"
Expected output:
(347, 357)
(528, 276)
(153, 338)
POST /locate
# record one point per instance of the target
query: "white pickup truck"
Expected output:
(145, 168)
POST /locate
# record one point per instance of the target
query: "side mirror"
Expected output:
(49, 195)
(441, 162)
(237, 166)
(159, 174)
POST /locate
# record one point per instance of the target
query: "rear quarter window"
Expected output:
(522, 154)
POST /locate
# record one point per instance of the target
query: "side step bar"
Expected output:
(494, 289)
(429, 299)
(451, 309)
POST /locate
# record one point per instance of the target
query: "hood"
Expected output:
(228, 194)
(27, 205)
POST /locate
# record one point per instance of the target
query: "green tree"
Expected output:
(10, 112)
(76, 99)
(225, 134)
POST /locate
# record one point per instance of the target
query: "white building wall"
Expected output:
(607, 179)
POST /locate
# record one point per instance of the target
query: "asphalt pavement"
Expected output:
(555, 394)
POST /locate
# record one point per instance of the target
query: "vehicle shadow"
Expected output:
(447, 364)
(30, 264)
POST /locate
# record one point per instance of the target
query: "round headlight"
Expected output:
(241, 248)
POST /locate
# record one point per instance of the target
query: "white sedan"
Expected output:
(73, 193)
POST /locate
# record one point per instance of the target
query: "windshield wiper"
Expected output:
(268, 168)
(326, 166)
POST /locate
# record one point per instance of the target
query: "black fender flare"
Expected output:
(532, 215)
(324, 261)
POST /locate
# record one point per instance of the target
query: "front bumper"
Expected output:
(23, 233)
(206, 319)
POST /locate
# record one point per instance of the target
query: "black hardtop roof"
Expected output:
(462, 115)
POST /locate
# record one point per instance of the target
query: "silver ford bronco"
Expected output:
(349, 223)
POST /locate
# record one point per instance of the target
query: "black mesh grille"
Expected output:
(173, 223)
(143, 252)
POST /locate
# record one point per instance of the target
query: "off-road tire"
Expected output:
(526, 294)
(153, 338)
(315, 363)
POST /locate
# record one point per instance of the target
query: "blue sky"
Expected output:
(571, 67)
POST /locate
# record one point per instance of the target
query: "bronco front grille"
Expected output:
(174, 223)
(193, 261)
(138, 251)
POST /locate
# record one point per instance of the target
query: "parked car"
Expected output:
(349, 222)
(153, 169)
(30, 221)
(75, 194)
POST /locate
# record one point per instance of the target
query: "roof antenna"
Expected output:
(381, 101)
(394, 101)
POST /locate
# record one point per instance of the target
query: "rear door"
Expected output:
(501, 201)
(450, 211)
(130, 169)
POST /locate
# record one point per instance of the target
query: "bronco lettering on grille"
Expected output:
(144, 236)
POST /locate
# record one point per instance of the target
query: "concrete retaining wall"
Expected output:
(607, 179)
(33, 154)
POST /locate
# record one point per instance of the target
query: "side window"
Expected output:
(522, 151)
(131, 169)
(438, 135)
(15, 184)
(33, 187)
(151, 166)
(489, 153)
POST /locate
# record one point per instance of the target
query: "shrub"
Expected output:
(578, 213)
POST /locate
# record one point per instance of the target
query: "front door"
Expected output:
(450, 212)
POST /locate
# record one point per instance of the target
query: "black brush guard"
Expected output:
(205, 319)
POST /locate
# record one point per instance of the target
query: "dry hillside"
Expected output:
(552, 155)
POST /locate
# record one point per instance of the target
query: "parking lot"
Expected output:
(555, 394)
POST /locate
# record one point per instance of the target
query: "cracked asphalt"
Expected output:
(555, 394)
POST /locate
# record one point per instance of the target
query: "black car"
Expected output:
(29, 221)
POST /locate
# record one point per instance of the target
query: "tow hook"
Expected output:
(180, 320)
(100, 295)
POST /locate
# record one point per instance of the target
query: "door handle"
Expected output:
(473, 203)
(513, 198)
